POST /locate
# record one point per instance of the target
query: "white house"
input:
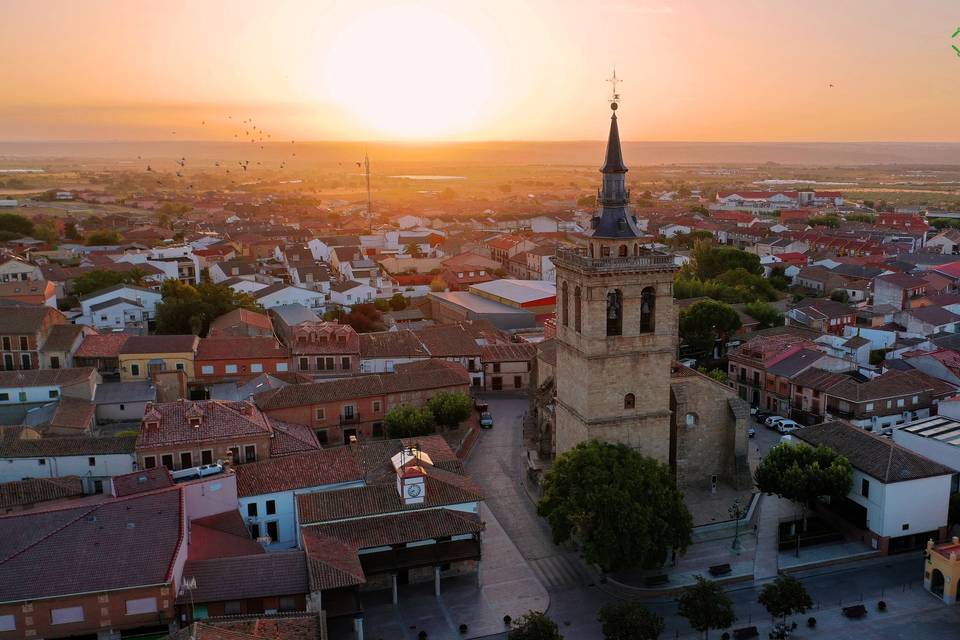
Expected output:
(15, 269)
(267, 489)
(94, 460)
(899, 498)
(936, 437)
(279, 294)
(241, 285)
(221, 271)
(348, 293)
(118, 307)
(409, 222)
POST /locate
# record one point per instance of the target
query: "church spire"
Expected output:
(614, 220)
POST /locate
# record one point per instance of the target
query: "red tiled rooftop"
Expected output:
(102, 346)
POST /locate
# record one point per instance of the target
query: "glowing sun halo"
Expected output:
(409, 72)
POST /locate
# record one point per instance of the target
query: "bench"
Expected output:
(720, 569)
(745, 633)
(855, 611)
(656, 581)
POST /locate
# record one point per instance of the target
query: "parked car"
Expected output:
(772, 421)
(486, 420)
(481, 406)
(787, 426)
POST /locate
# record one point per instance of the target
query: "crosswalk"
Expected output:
(561, 571)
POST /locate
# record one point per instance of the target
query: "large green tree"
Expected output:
(784, 597)
(705, 322)
(450, 409)
(98, 279)
(629, 620)
(708, 261)
(803, 473)
(623, 508)
(408, 421)
(187, 309)
(15, 225)
(534, 625)
(103, 237)
(706, 606)
(766, 314)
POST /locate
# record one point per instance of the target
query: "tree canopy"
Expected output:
(534, 625)
(101, 279)
(708, 261)
(784, 597)
(408, 421)
(706, 606)
(705, 322)
(15, 225)
(622, 507)
(766, 314)
(629, 620)
(186, 309)
(824, 221)
(398, 302)
(103, 237)
(450, 409)
(803, 473)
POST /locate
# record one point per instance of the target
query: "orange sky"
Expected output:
(752, 70)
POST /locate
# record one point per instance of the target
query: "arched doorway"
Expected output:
(936, 583)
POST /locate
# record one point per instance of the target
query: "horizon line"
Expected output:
(490, 141)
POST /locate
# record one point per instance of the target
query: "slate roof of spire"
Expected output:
(614, 158)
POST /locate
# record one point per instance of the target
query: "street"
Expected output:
(576, 594)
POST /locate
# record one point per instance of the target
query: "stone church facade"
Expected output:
(610, 373)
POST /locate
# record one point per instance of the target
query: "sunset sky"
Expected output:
(750, 70)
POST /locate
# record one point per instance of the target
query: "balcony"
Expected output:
(579, 258)
(353, 418)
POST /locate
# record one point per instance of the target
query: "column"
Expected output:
(358, 627)
(436, 581)
(393, 581)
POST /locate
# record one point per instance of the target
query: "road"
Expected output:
(576, 595)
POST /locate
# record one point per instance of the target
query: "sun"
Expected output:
(409, 72)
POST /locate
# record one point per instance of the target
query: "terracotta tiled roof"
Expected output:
(73, 413)
(141, 481)
(332, 564)
(64, 446)
(218, 420)
(220, 536)
(107, 546)
(102, 346)
(301, 627)
(160, 344)
(34, 490)
(232, 323)
(300, 471)
(62, 337)
(515, 352)
(240, 347)
(401, 528)
(392, 344)
(447, 340)
(282, 573)
(879, 457)
(289, 438)
(45, 377)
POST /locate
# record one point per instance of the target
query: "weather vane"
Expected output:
(616, 96)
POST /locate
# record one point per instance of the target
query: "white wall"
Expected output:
(942, 452)
(105, 465)
(922, 504)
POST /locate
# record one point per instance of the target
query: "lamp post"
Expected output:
(736, 512)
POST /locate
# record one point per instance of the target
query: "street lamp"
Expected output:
(736, 512)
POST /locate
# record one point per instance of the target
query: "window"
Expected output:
(376, 406)
(915, 399)
(206, 369)
(349, 411)
(256, 367)
(273, 530)
(6, 343)
(25, 360)
(629, 401)
(577, 309)
(167, 460)
(66, 615)
(691, 419)
(287, 603)
(179, 366)
(320, 364)
(321, 414)
(900, 402)
(98, 486)
(304, 364)
(517, 382)
(42, 462)
(865, 488)
(54, 362)
(234, 455)
(321, 436)
(54, 393)
(233, 607)
(376, 430)
(149, 462)
(22, 395)
(186, 460)
(496, 367)
(250, 453)
(4, 397)
(905, 526)
(329, 363)
(281, 366)
(271, 507)
(564, 303)
(141, 606)
(135, 370)
(206, 456)
(345, 363)
(648, 305)
(252, 510)
(230, 368)
(91, 461)
(615, 313)
(868, 407)
(23, 343)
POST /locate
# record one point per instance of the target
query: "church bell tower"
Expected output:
(616, 326)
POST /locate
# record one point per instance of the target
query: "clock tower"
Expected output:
(411, 476)
(616, 326)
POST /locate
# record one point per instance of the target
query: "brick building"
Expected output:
(23, 331)
(240, 358)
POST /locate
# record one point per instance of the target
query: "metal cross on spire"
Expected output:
(614, 80)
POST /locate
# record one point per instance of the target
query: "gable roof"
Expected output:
(27, 319)
(160, 344)
(281, 573)
(219, 419)
(115, 288)
(33, 490)
(232, 323)
(62, 337)
(107, 345)
(46, 377)
(878, 457)
(305, 470)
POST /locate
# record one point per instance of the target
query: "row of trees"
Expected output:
(445, 409)
(705, 605)
(725, 274)
(707, 321)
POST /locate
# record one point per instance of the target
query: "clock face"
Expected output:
(414, 490)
